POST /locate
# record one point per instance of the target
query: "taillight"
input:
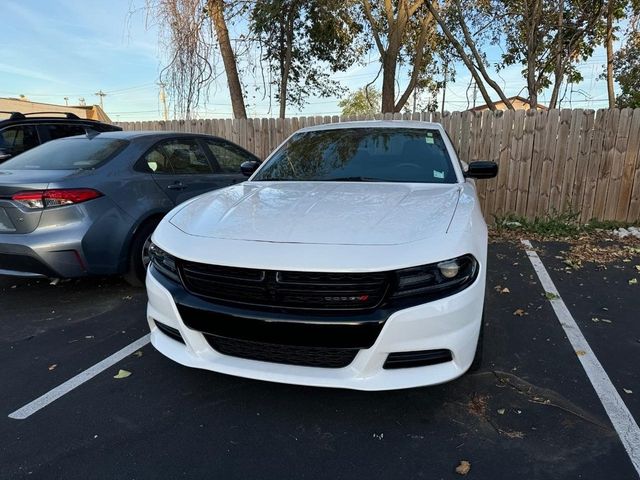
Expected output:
(55, 198)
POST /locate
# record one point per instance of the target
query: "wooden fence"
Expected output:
(550, 161)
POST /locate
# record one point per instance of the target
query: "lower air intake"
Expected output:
(286, 354)
(420, 358)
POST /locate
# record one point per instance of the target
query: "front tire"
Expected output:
(139, 254)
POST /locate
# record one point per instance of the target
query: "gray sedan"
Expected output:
(87, 205)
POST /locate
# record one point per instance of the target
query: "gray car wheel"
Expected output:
(139, 254)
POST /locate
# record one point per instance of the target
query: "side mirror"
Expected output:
(247, 168)
(482, 170)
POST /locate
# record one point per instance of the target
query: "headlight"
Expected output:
(163, 262)
(436, 279)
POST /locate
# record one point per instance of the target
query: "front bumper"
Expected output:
(452, 323)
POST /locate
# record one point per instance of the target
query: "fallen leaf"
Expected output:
(605, 320)
(501, 411)
(505, 290)
(550, 296)
(595, 319)
(633, 281)
(122, 374)
(637, 268)
(53, 367)
(138, 353)
(580, 353)
(128, 297)
(626, 390)
(463, 468)
(519, 312)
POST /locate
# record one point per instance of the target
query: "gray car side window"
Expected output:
(227, 157)
(178, 157)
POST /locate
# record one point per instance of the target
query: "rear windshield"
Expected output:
(79, 153)
(362, 155)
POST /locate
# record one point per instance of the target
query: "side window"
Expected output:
(227, 157)
(61, 130)
(15, 140)
(178, 157)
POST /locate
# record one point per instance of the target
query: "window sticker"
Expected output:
(437, 174)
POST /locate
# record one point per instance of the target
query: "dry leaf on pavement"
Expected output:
(519, 312)
(122, 374)
(463, 468)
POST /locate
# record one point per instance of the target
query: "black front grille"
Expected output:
(285, 289)
(421, 358)
(286, 354)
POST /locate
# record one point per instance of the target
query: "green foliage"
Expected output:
(626, 71)
(364, 101)
(556, 224)
(303, 43)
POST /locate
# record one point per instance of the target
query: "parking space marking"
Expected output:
(52, 395)
(618, 413)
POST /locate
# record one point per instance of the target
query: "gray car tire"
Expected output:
(137, 270)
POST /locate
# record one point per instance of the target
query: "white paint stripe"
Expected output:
(52, 395)
(621, 418)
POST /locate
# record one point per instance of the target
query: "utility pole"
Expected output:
(66, 101)
(82, 101)
(163, 99)
(444, 89)
(475, 93)
(101, 94)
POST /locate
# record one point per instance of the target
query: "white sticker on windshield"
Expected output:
(437, 174)
(429, 139)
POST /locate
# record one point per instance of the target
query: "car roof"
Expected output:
(375, 124)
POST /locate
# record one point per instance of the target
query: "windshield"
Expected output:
(74, 153)
(362, 154)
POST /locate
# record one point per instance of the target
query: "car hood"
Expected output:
(332, 213)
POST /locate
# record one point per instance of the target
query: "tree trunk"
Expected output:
(532, 45)
(389, 65)
(610, 92)
(463, 56)
(558, 71)
(216, 8)
(286, 41)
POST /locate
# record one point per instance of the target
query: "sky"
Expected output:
(75, 48)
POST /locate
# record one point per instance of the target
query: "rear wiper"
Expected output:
(353, 179)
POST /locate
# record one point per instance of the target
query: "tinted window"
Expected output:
(67, 154)
(179, 157)
(228, 157)
(61, 130)
(15, 140)
(363, 154)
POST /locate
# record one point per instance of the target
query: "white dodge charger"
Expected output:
(354, 257)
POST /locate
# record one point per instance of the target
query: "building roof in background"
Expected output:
(518, 102)
(92, 112)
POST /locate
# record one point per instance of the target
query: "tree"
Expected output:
(364, 101)
(548, 39)
(626, 71)
(195, 32)
(404, 33)
(456, 19)
(303, 43)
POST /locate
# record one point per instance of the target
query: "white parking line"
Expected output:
(618, 413)
(52, 395)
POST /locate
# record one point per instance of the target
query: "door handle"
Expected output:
(177, 186)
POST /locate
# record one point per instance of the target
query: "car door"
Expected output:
(228, 157)
(181, 169)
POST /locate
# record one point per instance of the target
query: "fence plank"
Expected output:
(582, 160)
(569, 172)
(524, 169)
(606, 162)
(623, 208)
(618, 163)
(551, 138)
(595, 152)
